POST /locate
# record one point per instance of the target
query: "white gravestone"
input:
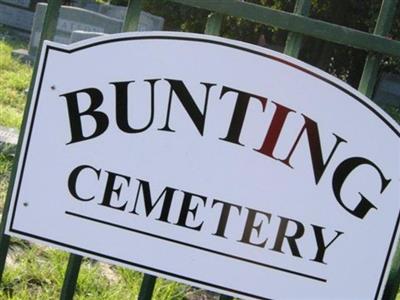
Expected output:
(16, 18)
(22, 3)
(71, 19)
(78, 19)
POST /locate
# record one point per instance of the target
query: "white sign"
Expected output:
(213, 162)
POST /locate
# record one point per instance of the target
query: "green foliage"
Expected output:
(14, 80)
(37, 272)
(393, 111)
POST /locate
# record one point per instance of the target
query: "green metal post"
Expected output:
(369, 74)
(147, 287)
(294, 40)
(371, 67)
(214, 23)
(71, 277)
(48, 31)
(131, 22)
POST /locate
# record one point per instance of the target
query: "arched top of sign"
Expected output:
(241, 46)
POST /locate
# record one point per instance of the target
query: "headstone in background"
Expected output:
(8, 140)
(113, 11)
(92, 18)
(70, 19)
(21, 3)
(147, 21)
(388, 90)
(17, 15)
(79, 35)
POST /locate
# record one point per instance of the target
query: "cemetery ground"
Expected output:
(37, 272)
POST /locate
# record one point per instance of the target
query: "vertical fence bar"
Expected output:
(214, 23)
(294, 40)
(371, 67)
(369, 74)
(71, 277)
(131, 22)
(48, 31)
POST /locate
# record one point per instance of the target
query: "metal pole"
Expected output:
(371, 67)
(147, 287)
(71, 277)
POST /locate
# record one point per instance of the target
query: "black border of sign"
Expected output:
(201, 40)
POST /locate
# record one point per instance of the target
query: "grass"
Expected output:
(35, 272)
(14, 80)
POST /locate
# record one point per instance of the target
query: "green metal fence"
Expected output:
(298, 24)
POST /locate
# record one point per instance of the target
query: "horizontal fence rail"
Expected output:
(298, 24)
